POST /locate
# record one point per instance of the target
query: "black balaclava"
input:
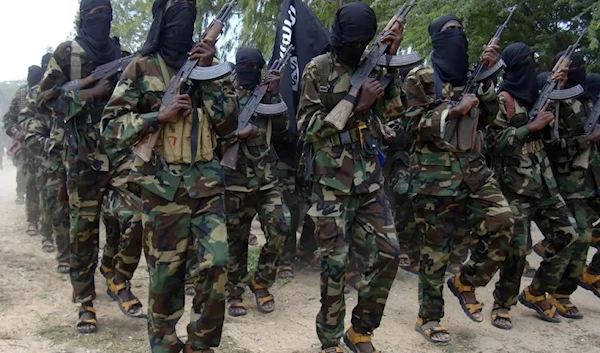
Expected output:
(246, 75)
(354, 22)
(593, 86)
(171, 32)
(519, 77)
(34, 75)
(450, 51)
(541, 79)
(577, 75)
(46, 60)
(93, 33)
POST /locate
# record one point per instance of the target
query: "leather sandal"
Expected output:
(89, 324)
(498, 314)
(262, 300)
(472, 310)
(352, 339)
(532, 302)
(432, 330)
(563, 305)
(128, 306)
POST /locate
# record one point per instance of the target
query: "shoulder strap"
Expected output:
(323, 63)
(76, 52)
(510, 104)
(164, 70)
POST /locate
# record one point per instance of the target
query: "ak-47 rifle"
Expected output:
(592, 120)
(188, 72)
(101, 72)
(550, 91)
(369, 67)
(254, 105)
(480, 74)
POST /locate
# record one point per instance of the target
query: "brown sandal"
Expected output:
(499, 314)
(352, 339)
(472, 310)
(431, 330)
(89, 324)
(264, 299)
(532, 302)
(563, 305)
(590, 282)
(128, 306)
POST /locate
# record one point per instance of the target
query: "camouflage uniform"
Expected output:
(253, 187)
(572, 157)
(451, 188)
(349, 205)
(87, 169)
(10, 122)
(123, 202)
(182, 201)
(31, 122)
(525, 175)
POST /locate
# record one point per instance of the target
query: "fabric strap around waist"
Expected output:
(343, 138)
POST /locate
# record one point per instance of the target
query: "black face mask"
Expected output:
(450, 56)
(97, 26)
(349, 55)
(520, 79)
(176, 34)
(247, 77)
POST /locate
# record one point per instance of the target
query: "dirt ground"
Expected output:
(36, 314)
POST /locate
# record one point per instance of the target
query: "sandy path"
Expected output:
(36, 314)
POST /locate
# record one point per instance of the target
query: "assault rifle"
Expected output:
(549, 90)
(480, 74)
(254, 105)
(370, 66)
(592, 120)
(103, 71)
(188, 72)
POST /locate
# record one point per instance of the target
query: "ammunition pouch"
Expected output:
(461, 135)
(532, 147)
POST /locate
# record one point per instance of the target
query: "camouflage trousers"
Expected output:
(33, 200)
(169, 229)
(125, 204)
(87, 190)
(297, 206)
(487, 213)
(274, 218)
(556, 224)
(594, 266)
(59, 213)
(349, 223)
(21, 177)
(45, 222)
(584, 216)
(409, 236)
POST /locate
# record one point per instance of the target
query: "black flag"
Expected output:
(298, 26)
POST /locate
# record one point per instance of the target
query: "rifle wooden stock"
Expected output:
(339, 115)
(231, 156)
(143, 149)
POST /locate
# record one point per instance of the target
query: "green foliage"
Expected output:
(132, 20)
(547, 25)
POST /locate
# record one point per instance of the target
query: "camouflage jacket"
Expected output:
(257, 159)
(10, 120)
(36, 128)
(574, 160)
(434, 170)
(66, 105)
(132, 113)
(345, 167)
(518, 156)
